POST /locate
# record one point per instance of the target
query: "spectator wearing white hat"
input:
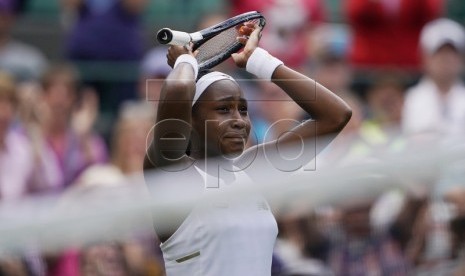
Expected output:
(435, 108)
(436, 105)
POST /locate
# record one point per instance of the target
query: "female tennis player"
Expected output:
(207, 118)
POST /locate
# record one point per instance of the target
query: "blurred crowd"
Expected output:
(398, 63)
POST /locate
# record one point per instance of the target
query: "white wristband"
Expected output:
(186, 58)
(262, 64)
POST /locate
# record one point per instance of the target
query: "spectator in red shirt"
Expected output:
(386, 32)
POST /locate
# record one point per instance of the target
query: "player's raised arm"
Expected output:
(327, 110)
(329, 113)
(173, 125)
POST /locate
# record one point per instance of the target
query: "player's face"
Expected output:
(221, 119)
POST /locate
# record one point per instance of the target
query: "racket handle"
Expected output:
(171, 37)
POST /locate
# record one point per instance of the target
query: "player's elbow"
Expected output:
(347, 114)
(343, 117)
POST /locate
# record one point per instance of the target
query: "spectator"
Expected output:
(104, 259)
(23, 61)
(74, 146)
(386, 32)
(128, 147)
(435, 108)
(437, 103)
(128, 150)
(17, 169)
(16, 162)
(333, 72)
(107, 41)
(106, 30)
(430, 244)
(301, 247)
(362, 251)
(407, 223)
(385, 101)
(21, 170)
(130, 139)
(46, 176)
(456, 196)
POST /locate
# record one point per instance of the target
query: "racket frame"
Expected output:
(168, 36)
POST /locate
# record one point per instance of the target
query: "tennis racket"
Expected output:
(215, 43)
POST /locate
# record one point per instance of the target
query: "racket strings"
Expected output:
(218, 45)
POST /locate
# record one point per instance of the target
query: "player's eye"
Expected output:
(223, 109)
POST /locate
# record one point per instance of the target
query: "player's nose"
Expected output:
(238, 123)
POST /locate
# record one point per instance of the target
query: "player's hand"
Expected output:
(175, 51)
(251, 34)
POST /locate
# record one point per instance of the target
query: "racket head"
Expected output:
(219, 41)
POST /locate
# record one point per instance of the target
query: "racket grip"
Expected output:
(171, 37)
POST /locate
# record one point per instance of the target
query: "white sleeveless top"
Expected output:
(223, 237)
